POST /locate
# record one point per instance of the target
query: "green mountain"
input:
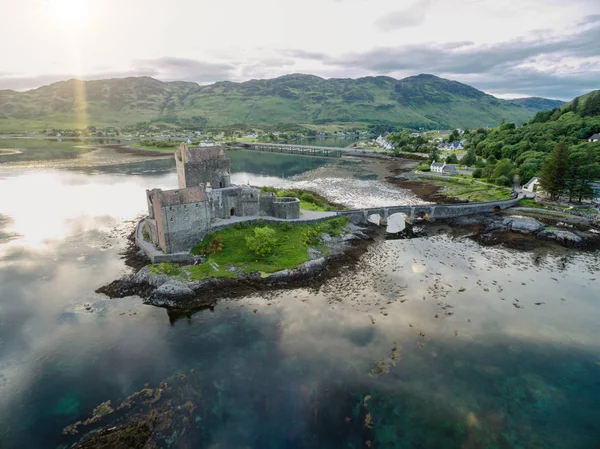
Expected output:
(537, 104)
(419, 101)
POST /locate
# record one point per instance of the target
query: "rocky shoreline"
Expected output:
(522, 232)
(174, 292)
(177, 293)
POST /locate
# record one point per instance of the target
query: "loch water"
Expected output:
(434, 342)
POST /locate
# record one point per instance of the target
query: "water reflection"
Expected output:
(498, 348)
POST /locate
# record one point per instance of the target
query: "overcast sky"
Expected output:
(509, 48)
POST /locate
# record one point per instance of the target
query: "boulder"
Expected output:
(348, 237)
(311, 267)
(278, 276)
(314, 253)
(145, 276)
(172, 291)
(567, 238)
(524, 225)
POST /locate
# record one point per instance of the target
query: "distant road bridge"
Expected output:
(300, 150)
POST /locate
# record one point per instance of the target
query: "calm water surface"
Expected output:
(427, 343)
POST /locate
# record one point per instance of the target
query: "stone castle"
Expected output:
(178, 219)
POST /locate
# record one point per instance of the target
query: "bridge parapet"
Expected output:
(434, 211)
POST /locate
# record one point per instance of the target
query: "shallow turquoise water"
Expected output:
(475, 363)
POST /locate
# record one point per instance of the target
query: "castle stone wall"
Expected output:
(185, 225)
(215, 171)
(266, 204)
(286, 208)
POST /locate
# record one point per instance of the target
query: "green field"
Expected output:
(291, 250)
(467, 190)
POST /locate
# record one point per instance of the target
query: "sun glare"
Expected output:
(68, 12)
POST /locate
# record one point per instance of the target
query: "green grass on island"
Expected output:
(465, 189)
(308, 200)
(554, 209)
(229, 248)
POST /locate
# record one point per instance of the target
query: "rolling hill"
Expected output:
(537, 104)
(423, 101)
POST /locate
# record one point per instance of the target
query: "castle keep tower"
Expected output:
(202, 165)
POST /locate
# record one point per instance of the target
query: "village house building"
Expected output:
(594, 138)
(178, 219)
(533, 185)
(437, 167)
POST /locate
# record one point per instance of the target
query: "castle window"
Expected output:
(185, 207)
(197, 205)
(171, 219)
(171, 208)
(252, 195)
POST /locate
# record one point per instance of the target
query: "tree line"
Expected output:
(570, 172)
(553, 145)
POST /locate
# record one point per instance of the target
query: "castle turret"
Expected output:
(202, 165)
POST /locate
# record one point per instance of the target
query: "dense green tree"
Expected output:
(583, 169)
(575, 105)
(263, 242)
(555, 170)
(434, 154)
(503, 181)
(488, 170)
(470, 158)
(529, 170)
(591, 106)
(452, 159)
(455, 135)
(504, 169)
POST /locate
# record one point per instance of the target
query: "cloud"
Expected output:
(166, 69)
(170, 68)
(412, 16)
(557, 66)
(543, 63)
(14, 82)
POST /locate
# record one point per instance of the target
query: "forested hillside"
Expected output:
(536, 104)
(534, 148)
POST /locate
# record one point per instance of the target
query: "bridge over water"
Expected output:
(434, 211)
(300, 150)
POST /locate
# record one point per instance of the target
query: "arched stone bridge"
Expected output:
(434, 211)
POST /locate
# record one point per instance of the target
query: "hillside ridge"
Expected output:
(420, 101)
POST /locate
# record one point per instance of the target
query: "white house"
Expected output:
(533, 185)
(207, 143)
(438, 167)
(594, 138)
(383, 143)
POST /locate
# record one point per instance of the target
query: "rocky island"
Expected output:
(206, 242)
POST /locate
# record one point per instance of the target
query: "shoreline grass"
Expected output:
(467, 189)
